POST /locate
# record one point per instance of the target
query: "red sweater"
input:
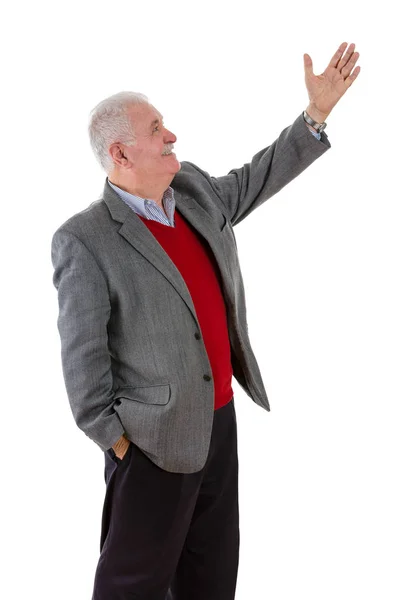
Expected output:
(194, 259)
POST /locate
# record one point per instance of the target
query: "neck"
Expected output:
(152, 190)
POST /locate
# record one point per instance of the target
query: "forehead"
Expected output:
(144, 115)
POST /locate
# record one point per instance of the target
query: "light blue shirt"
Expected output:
(150, 209)
(315, 134)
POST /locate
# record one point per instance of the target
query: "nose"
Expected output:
(169, 137)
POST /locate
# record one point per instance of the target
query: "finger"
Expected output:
(338, 55)
(308, 64)
(346, 57)
(351, 78)
(348, 68)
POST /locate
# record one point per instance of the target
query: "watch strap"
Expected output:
(317, 126)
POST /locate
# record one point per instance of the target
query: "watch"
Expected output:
(318, 126)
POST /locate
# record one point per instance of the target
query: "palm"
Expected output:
(325, 90)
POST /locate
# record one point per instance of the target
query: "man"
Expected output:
(153, 326)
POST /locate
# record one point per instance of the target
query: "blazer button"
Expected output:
(206, 377)
(197, 336)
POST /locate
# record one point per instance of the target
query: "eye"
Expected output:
(157, 128)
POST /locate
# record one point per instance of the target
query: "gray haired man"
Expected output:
(152, 321)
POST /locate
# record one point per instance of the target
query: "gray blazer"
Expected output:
(130, 355)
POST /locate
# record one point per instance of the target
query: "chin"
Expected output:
(177, 166)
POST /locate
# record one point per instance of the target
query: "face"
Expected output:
(152, 140)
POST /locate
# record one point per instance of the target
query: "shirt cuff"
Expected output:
(315, 134)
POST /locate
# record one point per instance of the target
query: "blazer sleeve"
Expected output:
(244, 189)
(84, 311)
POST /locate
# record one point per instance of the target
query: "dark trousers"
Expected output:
(171, 536)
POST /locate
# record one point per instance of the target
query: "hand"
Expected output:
(121, 447)
(325, 90)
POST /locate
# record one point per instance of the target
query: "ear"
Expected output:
(117, 153)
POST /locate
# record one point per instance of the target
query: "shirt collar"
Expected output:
(149, 208)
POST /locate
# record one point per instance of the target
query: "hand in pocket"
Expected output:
(121, 448)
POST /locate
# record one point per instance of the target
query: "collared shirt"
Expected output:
(150, 209)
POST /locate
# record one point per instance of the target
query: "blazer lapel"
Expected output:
(139, 236)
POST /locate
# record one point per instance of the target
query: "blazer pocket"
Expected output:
(152, 394)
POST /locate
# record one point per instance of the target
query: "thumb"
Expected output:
(308, 64)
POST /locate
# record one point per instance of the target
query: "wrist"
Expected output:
(119, 443)
(316, 114)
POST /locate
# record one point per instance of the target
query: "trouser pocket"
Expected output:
(122, 460)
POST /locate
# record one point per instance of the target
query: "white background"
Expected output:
(319, 474)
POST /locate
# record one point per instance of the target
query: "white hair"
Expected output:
(109, 123)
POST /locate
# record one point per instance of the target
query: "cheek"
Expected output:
(154, 152)
(151, 156)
